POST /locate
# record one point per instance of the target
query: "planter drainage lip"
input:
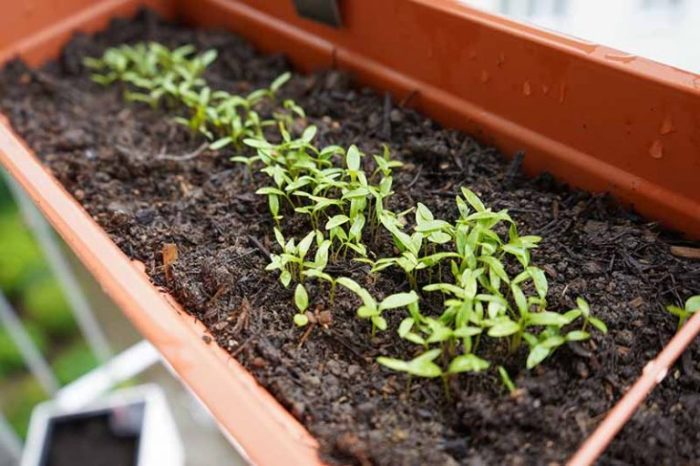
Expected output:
(597, 118)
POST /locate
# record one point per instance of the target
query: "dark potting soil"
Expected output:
(115, 158)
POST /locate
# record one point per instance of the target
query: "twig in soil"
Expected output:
(305, 336)
(513, 169)
(238, 350)
(335, 337)
(218, 294)
(184, 157)
(243, 316)
(685, 252)
(415, 178)
(386, 127)
(260, 246)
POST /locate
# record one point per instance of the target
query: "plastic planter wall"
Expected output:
(597, 118)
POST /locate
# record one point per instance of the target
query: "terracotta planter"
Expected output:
(595, 117)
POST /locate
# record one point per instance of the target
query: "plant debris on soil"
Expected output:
(110, 155)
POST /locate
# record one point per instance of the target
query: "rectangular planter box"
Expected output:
(596, 118)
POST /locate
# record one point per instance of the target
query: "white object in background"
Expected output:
(127, 364)
(159, 442)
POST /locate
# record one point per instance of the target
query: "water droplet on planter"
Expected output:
(562, 93)
(485, 76)
(545, 89)
(656, 150)
(501, 59)
(527, 89)
(667, 126)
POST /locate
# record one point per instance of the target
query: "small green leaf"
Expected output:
(553, 342)
(393, 364)
(599, 324)
(520, 300)
(305, 244)
(505, 378)
(286, 278)
(467, 363)
(473, 200)
(301, 298)
(583, 305)
(221, 143)
(321, 258)
(352, 158)
(467, 331)
(379, 322)
(504, 328)
(398, 300)
(540, 281)
(577, 335)
(692, 305)
(258, 143)
(405, 326)
(423, 214)
(496, 266)
(572, 315)
(308, 134)
(366, 312)
(421, 366)
(547, 318)
(537, 355)
(267, 190)
(280, 81)
(336, 221)
(300, 320)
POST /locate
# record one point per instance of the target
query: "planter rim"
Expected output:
(244, 409)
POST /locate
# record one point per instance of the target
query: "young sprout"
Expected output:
(583, 309)
(384, 163)
(467, 363)
(301, 300)
(505, 378)
(290, 262)
(372, 310)
(692, 305)
(421, 366)
(491, 289)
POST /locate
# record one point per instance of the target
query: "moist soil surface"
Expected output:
(117, 159)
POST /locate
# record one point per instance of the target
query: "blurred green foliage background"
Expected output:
(27, 282)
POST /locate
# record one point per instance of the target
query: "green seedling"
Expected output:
(291, 262)
(506, 380)
(154, 73)
(301, 300)
(491, 289)
(371, 309)
(420, 366)
(692, 305)
(385, 165)
(583, 309)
